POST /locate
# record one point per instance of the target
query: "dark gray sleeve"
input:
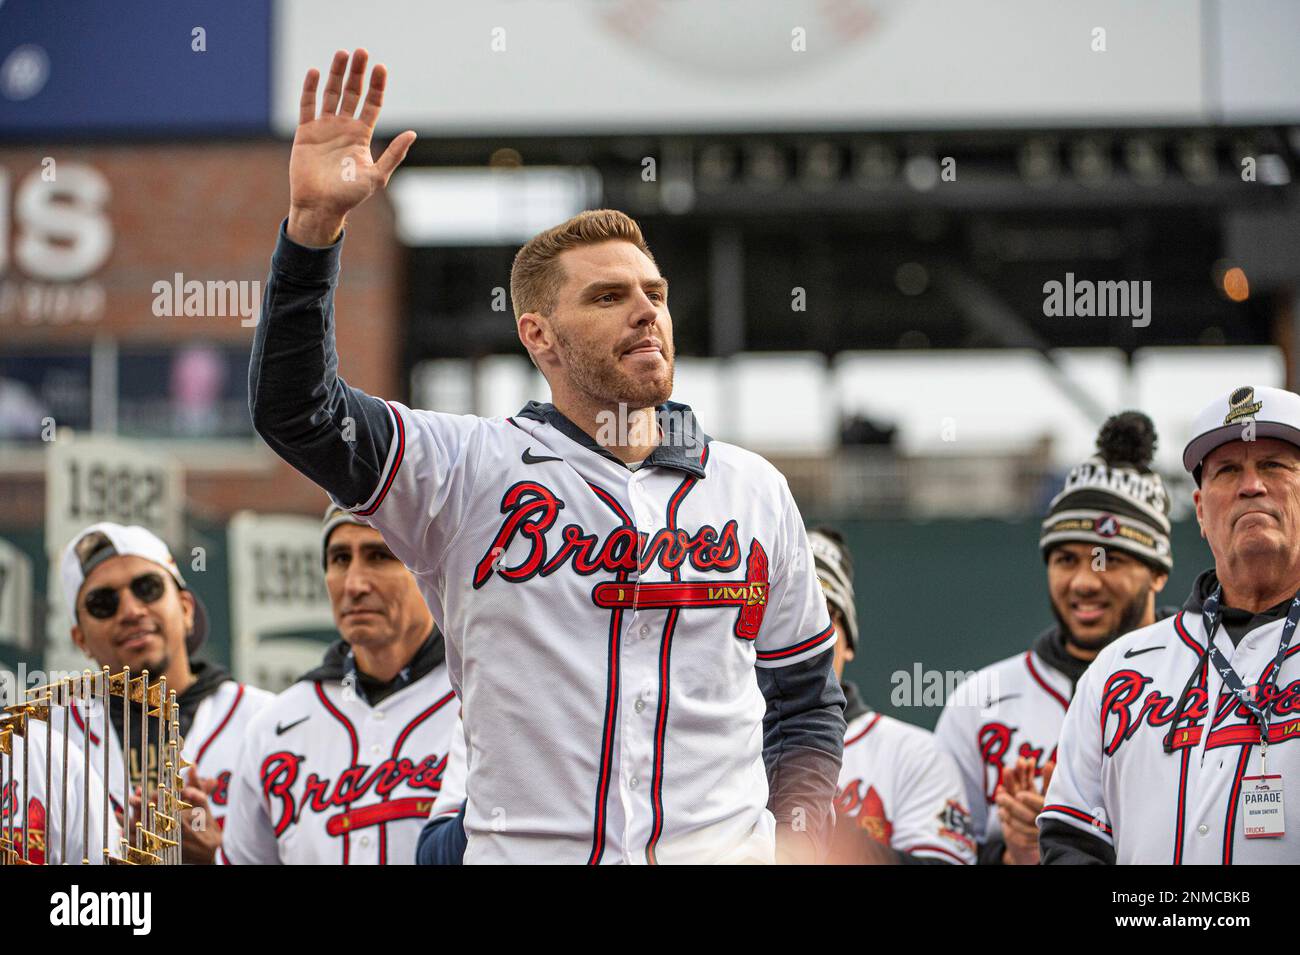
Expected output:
(991, 851)
(1060, 843)
(334, 434)
(803, 743)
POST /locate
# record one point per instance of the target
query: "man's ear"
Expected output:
(534, 334)
(79, 639)
(1158, 582)
(1200, 511)
(187, 608)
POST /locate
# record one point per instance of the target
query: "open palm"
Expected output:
(331, 171)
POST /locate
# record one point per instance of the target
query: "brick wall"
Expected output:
(211, 211)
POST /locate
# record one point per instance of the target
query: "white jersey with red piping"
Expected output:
(1193, 802)
(325, 778)
(212, 744)
(1009, 710)
(904, 791)
(54, 824)
(596, 619)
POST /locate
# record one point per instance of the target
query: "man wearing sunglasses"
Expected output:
(131, 607)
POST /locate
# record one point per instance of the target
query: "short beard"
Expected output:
(606, 385)
(158, 668)
(1129, 620)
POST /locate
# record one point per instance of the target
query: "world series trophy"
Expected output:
(155, 837)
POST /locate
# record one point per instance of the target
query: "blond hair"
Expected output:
(536, 276)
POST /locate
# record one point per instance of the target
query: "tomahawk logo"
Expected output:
(103, 908)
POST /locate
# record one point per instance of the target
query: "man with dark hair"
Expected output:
(1105, 542)
(344, 766)
(131, 607)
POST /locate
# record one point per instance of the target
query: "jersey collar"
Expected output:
(339, 665)
(1236, 623)
(682, 448)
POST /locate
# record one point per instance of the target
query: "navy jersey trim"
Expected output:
(352, 735)
(797, 648)
(611, 700)
(665, 660)
(400, 432)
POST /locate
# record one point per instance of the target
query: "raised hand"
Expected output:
(331, 171)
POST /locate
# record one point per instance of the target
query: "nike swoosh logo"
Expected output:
(529, 458)
(1138, 653)
(1009, 696)
(281, 729)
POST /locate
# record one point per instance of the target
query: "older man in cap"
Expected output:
(344, 766)
(1181, 738)
(131, 607)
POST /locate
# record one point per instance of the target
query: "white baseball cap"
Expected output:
(1274, 412)
(98, 542)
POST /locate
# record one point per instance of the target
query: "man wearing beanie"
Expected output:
(1105, 542)
(131, 607)
(1182, 735)
(343, 767)
(899, 798)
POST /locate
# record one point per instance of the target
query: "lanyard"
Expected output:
(1247, 696)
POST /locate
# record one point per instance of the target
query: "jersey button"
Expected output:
(365, 841)
(376, 749)
(379, 714)
(633, 782)
(639, 706)
(1202, 829)
(645, 631)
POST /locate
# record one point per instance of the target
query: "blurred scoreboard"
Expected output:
(93, 67)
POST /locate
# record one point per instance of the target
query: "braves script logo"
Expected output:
(994, 743)
(531, 509)
(281, 770)
(1124, 689)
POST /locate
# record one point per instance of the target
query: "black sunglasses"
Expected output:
(102, 602)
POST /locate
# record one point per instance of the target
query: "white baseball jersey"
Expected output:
(1114, 780)
(904, 790)
(454, 777)
(1009, 710)
(602, 626)
(327, 779)
(212, 745)
(45, 810)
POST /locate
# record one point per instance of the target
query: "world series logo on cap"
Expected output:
(1242, 404)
